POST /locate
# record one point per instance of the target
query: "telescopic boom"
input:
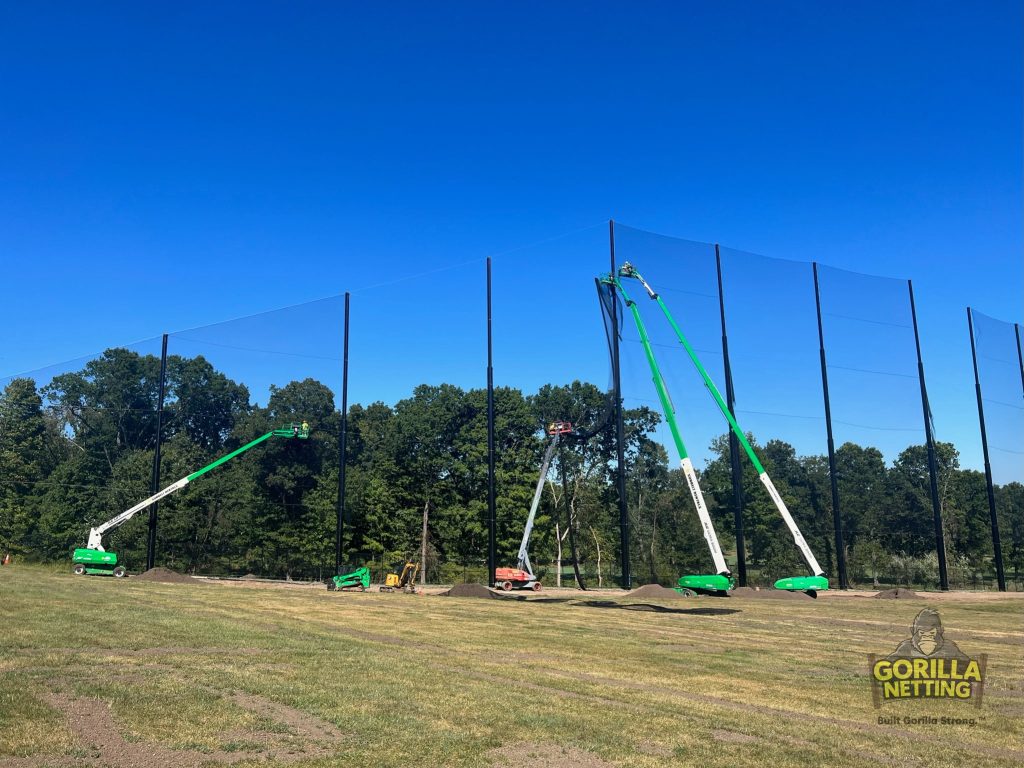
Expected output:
(628, 270)
(300, 431)
(670, 416)
(523, 561)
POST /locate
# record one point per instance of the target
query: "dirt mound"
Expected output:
(527, 754)
(166, 575)
(656, 592)
(897, 594)
(770, 594)
(249, 577)
(471, 590)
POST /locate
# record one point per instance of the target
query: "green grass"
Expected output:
(317, 678)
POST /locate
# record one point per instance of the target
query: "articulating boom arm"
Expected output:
(628, 270)
(300, 431)
(670, 416)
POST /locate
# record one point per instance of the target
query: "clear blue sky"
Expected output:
(167, 166)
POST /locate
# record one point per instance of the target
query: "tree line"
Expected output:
(78, 449)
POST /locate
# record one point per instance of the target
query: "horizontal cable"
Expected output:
(252, 349)
(779, 415)
(878, 429)
(866, 320)
(868, 370)
(1005, 405)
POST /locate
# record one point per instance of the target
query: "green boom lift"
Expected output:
(359, 580)
(93, 559)
(721, 581)
(813, 583)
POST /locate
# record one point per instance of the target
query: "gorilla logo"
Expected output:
(926, 640)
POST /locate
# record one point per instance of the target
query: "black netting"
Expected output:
(667, 535)
(551, 347)
(1002, 388)
(1002, 395)
(79, 438)
(417, 422)
(773, 345)
(271, 510)
(872, 361)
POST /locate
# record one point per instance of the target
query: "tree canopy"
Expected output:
(78, 449)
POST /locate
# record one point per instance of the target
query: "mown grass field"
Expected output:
(97, 672)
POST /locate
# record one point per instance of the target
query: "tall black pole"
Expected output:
(1020, 357)
(492, 530)
(832, 476)
(734, 443)
(620, 430)
(342, 446)
(933, 468)
(993, 519)
(155, 483)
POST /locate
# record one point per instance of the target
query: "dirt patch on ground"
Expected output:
(649, 747)
(898, 594)
(472, 590)
(166, 575)
(93, 725)
(528, 754)
(656, 592)
(304, 724)
(770, 594)
(732, 737)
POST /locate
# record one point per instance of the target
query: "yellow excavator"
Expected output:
(403, 582)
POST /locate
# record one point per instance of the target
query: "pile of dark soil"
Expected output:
(656, 592)
(770, 594)
(900, 593)
(472, 590)
(165, 575)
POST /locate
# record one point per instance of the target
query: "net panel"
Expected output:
(551, 350)
(878, 419)
(271, 510)
(999, 373)
(76, 448)
(773, 349)
(666, 530)
(417, 423)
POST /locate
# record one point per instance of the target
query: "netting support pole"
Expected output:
(933, 468)
(993, 519)
(832, 476)
(155, 484)
(492, 530)
(339, 534)
(734, 443)
(1020, 357)
(620, 429)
